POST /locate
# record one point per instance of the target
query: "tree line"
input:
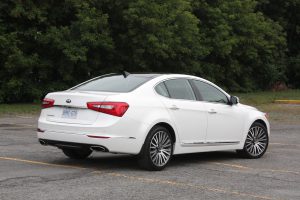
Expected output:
(242, 45)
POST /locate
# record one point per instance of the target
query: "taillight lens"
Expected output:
(267, 115)
(112, 108)
(47, 103)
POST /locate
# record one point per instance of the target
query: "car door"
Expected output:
(224, 121)
(188, 115)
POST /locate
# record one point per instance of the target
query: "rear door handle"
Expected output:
(174, 107)
(212, 111)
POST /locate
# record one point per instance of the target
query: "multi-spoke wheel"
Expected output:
(157, 150)
(160, 148)
(256, 142)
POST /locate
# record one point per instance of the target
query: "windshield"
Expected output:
(114, 83)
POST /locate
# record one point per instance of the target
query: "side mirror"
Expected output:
(234, 100)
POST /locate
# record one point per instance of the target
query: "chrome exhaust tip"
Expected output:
(42, 142)
(98, 148)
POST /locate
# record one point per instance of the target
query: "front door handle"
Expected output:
(212, 111)
(174, 107)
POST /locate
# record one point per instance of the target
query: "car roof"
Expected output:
(165, 75)
(154, 75)
(146, 75)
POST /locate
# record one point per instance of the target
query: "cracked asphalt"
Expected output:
(31, 171)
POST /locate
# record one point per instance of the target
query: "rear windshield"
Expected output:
(114, 83)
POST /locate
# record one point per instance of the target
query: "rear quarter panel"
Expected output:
(145, 109)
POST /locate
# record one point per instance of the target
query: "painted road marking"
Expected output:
(251, 168)
(284, 144)
(20, 125)
(42, 163)
(182, 184)
(150, 180)
(24, 117)
(231, 165)
(27, 125)
(287, 101)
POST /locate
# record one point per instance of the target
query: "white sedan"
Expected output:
(154, 116)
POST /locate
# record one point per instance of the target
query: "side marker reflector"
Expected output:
(100, 137)
(40, 130)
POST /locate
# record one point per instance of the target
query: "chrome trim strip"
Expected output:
(85, 134)
(69, 106)
(209, 143)
(113, 137)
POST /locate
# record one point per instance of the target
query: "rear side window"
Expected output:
(162, 90)
(180, 89)
(210, 93)
(114, 83)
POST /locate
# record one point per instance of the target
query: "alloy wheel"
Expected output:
(160, 148)
(257, 141)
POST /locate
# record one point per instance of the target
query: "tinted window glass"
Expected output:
(114, 83)
(162, 90)
(180, 89)
(210, 93)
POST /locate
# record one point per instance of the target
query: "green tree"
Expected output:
(287, 13)
(52, 45)
(246, 48)
(155, 35)
(47, 46)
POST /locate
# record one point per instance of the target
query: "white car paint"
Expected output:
(198, 126)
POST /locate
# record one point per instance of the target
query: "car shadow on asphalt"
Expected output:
(109, 162)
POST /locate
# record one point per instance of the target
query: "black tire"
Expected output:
(77, 154)
(256, 142)
(149, 152)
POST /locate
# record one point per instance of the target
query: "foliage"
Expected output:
(52, 45)
(247, 49)
(287, 13)
(49, 46)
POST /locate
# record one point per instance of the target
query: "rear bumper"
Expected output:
(70, 145)
(124, 135)
(115, 144)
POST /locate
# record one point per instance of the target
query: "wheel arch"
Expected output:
(259, 119)
(169, 128)
(165, 124)
(243, 151)
(261, 122)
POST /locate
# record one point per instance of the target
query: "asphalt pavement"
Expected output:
(31, 171)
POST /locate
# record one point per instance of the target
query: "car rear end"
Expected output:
(98, 120)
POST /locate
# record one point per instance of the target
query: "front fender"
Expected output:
(253, 118)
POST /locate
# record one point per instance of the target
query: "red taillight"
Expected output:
(267, 115)
(47, 103)
(112, 108)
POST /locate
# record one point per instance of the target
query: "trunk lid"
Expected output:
(70, 107)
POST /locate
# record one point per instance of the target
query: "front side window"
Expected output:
(114, 83)
(180, 89)
(210, 93)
